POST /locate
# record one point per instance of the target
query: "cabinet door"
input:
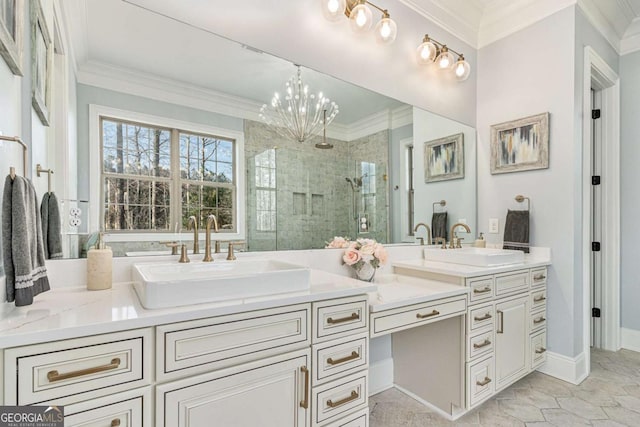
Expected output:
(511, 340)
(274, 395)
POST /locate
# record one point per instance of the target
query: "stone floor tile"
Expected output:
(498, 419)
(563, 418)
(520, 410)
(623, 415)
(598, 384)
(582, 408)
(536, 398)
(632, 390)
(596, 397)
(629, 402)
(606, 423)
(539, 424)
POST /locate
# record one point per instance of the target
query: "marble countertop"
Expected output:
(396, 291)
(462, 270)
(73, 312)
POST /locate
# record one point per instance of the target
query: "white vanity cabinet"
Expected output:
(511, 343)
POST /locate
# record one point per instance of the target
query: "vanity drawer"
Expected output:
(481, 289)
(339, 398)
(481, 376)
(538, 349)
(359, 419)
(481, 316)
(219, 342)
(339, 357)
(538, 299)
(65, 372)
(129, 409)
(509, 283)
(480, 344)
(398, 319)
(538, 277)
(537, 320)
(339, 318)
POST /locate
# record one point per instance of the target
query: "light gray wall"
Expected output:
(526, 73)
(629, 178)
(93, 95)
(395, 178)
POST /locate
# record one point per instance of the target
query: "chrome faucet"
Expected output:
(193, 223)
(211, 219)
(455, 242)
(415, 230)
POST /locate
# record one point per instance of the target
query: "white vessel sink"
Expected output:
(173, 284)
(480, 257)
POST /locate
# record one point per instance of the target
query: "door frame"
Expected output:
(599, 75)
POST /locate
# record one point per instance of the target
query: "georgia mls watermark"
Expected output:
(31, 416)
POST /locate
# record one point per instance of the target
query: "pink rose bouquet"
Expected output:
(363, 255)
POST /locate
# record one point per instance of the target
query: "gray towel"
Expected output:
(23, 251)
(51, 230)
(439, 225)
(516, 231)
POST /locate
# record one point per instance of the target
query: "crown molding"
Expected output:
(444, 17)
(600, 23)
(504, 17)
(631, 41)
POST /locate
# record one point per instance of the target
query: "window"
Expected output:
(266, 190)
(154, 177)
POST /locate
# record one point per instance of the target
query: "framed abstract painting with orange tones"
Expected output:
(520, 145)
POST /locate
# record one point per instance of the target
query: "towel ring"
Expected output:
(520, 198)
(442, 203)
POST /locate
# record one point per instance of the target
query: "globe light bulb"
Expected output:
(426, 52)
(445, 60)
(386, 29)
(333, 9)
(462, 69)
(361, 18)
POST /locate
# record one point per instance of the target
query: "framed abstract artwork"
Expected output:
(11, 23)
(520, 145)
(444, 158)
(41, 63)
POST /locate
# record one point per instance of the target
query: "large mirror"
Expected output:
(137, 68)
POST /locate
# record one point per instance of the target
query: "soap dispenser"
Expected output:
(480, 242)
(99, 266)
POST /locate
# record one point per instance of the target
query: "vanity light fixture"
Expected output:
(301, 114)
(432, 51)
(361, 17)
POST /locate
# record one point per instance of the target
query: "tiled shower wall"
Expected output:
(313, 199)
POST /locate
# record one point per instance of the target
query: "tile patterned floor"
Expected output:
(610, 397)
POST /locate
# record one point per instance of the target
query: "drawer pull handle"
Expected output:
(540, 350)
(483, 290)
(305, 402)
(354, 316)
(539, 320)
(353, 396)
(425, 316)
(115, 422)
(55, 376)
(539, 299)
(486, 381)
(539, 277)
(485, 317)
(482, 344)
(354, 355)
(500, 323)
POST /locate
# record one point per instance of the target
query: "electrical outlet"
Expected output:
(75, 222)
(494, 225)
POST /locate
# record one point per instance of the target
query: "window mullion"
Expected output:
(176, 196)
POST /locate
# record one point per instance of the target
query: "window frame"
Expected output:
(96, 199)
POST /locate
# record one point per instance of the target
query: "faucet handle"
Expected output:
(441, 240)
(230, 255)
(173, 245)
(458, 242)
(421, 239)
(184, 258)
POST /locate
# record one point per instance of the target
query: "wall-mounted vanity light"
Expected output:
(432, 51)
(361, 17)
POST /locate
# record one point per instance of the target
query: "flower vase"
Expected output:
(366, 272)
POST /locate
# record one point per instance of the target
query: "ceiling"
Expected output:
(481, 22)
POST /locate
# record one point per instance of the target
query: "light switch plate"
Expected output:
(494, 225)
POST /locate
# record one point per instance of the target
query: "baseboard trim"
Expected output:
(630, 339)
(569, 369)
(380, 376)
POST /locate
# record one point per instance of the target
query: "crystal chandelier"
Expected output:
(300, 114)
